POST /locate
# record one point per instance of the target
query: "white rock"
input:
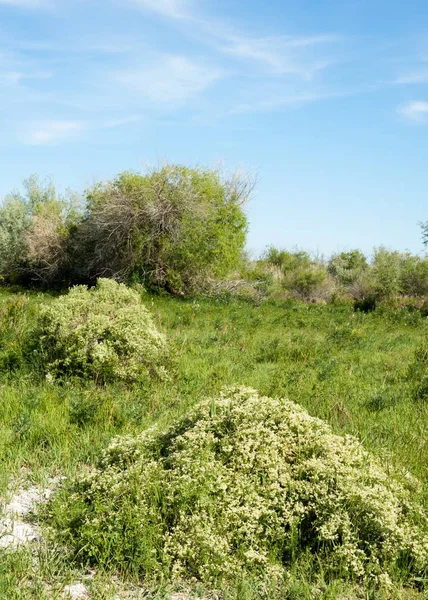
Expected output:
(14, 527)
(76, 591)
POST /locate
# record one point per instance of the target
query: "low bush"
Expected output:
(243, 485)
(414, 275)
(346, 267)
(309, 282)
(300, 276)
(104, 333)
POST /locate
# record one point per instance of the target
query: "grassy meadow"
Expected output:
(355, 370)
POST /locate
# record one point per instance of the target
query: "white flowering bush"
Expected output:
(104, 333)
(244, 484)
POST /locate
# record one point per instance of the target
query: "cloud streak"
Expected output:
(170, 82)
(113, 123)
(94, 79)
(415, 111)
(277, 101)
(172, 9)
(33, 4)
(46, 133)
(413, 77)
(16, 77)
(283, 55)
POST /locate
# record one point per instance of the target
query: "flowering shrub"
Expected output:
(244, 484)
(103, 333)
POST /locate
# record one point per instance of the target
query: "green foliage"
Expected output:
(308, 282)
(34, 229)
(14, 224)
(174, 227)
(171, 229)
(10, 320)
(346, 267)
(285, 260)
(385, 273)
(418, 373)
(414, 275)
(179, 230)
(244, 484)
(349, 369)
(424, 228)
(104, 333)
(301, 277)
(389, 275)
(255, 281)
(392, 274)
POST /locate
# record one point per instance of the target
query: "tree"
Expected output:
(171, 228)
(301, 276)
(34, 228)
(14, 224)
(424, 227)
(346, 267)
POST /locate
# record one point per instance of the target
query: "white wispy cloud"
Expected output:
(301, 56)
(27, 3)
(413, 77)
(171, 81)
(135, 75)
(10, 77)
(311, 40)
(284, 55)
(16, 77)
(43, 133)
(278, 101)
(173, 9)
(112, 123)
(415, 111)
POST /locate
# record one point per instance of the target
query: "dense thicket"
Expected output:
(170, 228)
(182, 231)
(295, 274)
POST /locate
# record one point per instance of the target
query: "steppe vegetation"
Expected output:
(219, 426)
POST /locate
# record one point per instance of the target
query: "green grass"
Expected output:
(350, 369)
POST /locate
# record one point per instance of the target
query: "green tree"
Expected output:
(301, 276)
(34, 229)
(424, 227)
(14, 224)
(385, 273)
(413, 275)
(346, 267)
(171, 228)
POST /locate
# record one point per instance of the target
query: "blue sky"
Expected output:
(327, 101)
